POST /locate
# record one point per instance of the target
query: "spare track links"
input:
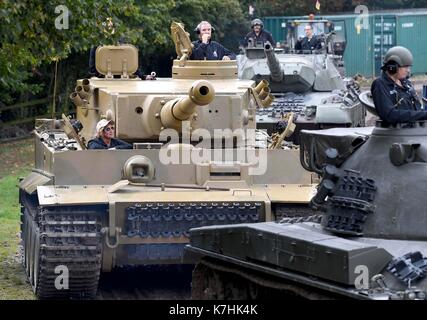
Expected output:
(62, 251)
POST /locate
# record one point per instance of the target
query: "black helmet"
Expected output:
(400, 55)
(255, 22)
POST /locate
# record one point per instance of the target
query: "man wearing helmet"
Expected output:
(207, 49)
(258, 34)
(394, 96)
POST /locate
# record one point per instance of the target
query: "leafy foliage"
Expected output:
(29, 38)
(31, 44)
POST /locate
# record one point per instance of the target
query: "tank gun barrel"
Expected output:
(177, 110)
(273, 64)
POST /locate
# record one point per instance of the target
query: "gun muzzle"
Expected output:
(264, 93)
(261, 85)
(77, 100)
(276, 72)
(268, 100)
(84, 91)
(175, 111)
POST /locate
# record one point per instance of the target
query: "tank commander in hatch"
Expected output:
(207, 49)
(258, 34)
(394, 96)
(310, 41)
(104, 138)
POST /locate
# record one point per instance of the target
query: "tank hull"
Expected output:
(95, 217)
(282, 261)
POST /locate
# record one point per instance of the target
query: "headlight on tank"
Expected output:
(138, 169)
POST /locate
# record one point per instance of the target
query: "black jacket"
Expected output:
(98, 143)
(211, 51)
(307, 44)
(263, 37)
(396, 104)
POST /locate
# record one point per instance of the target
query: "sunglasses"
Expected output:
(109, 129)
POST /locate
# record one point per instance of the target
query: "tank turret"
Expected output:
(308, 83)
(388, 204)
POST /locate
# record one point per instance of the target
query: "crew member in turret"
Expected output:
(310, 42)
(395, 98)
(104, 138)
(258, 34)
(207, 49)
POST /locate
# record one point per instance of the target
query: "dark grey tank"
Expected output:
(369, 240)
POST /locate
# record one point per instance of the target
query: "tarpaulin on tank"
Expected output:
(314, 144)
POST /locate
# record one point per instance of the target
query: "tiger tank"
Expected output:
(195, 161)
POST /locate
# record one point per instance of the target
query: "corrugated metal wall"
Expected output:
(366, 47)
(275, 27)
(412, 33)
(359, 50)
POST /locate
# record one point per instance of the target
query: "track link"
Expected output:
(58, 241)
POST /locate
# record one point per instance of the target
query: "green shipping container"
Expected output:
(368, 43)
(411, 33)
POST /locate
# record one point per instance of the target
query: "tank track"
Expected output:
(213, 280)
(59, 237)
(286, 211)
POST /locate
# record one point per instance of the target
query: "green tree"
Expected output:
(29, 39)
(31, 44)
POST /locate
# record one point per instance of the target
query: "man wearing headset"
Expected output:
(207, 49)
(395, 98)
(258, 34)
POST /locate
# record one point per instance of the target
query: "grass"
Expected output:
(17, 160)
(16, 157)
